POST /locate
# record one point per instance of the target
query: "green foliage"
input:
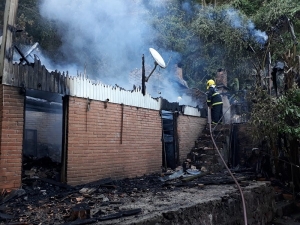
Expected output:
(273, 17)
(172, 31)
(271, 11)
(2, 7)
(248, 7)
(207, 40)
(36, 29)
(204, 36)
(222, 43)
(271, 116)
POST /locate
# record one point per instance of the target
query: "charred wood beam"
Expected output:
(110, 216)
(59, 184)
(120, 214)
(100, 182)
(131, 212)
(194, 177)
(109, 186)
(14, 194)
(111, 203)
(81, 222)
(117, 215)
(23, 58)
(18, 223)
(5, 216)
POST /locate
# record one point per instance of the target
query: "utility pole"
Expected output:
(6, 51)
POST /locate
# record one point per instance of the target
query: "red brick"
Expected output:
(11, 135)
(96, 136)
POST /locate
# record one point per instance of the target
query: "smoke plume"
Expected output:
(236, 21)
(108, 39)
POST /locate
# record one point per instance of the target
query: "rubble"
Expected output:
(108, 201)
(198, 192)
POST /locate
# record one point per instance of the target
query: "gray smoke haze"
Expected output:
(108, 35)
(109, 38)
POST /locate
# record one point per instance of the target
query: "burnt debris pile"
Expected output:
(43, 167)
(45, 201)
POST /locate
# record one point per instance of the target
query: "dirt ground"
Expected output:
(108, 201)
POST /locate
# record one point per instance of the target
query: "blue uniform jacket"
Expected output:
(213, 97)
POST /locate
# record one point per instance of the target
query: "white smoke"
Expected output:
(114, 34)
(111, 36)
(238, 22)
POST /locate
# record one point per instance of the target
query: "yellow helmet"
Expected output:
(209, 83)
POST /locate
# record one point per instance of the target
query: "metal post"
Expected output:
(143, 76)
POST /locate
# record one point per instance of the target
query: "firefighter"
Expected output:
(214, 101)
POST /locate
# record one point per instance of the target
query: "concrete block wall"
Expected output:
(99, 147)
(189, 128)
(11, 134)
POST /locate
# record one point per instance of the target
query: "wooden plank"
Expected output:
(48, 79)
(81, 222)
(131, 212)
(40, 76)
(62, 185)
(6, 50)
(20, 75)
(51, 81)
(60, 83)
(30, 77)
(110, 216)
(25, 76)
(57, 76)
(99, 182)
(6, 216)
(35, 75)
(67, 84)
(44, 74)
(15, 75)
(194, 177)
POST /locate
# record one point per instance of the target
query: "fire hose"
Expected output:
(235, 180)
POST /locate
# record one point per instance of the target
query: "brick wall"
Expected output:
(189, 129)
(94, 141)
(48, 126)
(11, 134)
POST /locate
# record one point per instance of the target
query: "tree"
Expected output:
(208, 38)
(218, 36)
(278, 118)
(34, 28)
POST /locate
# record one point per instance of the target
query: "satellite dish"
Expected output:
(157, 57)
